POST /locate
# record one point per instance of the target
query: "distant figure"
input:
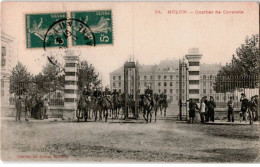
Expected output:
(18, 106)
(256, 102)
(252, 107)
(192, 108)
(244, 106)
(211, 106)
(230, 105)
(202, 111)
(27, 106)
(206, 109)
(46, 108)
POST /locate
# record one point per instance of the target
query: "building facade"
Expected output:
(197, 81)
(8, 58)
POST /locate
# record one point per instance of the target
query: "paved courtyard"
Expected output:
(167, 140)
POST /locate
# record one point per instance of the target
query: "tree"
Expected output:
(243, 70)
(50, 79)
(20, 80)
(87, 76)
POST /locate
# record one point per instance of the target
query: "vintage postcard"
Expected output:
(130, 82)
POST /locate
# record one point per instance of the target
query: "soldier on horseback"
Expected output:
(97, 92)
(149, 93)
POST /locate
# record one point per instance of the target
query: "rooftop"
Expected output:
(170, 66)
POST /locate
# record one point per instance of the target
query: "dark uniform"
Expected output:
(230, 110)
(192, 107)
(244, 106)
(149, 93)
(211, 112)
(252, 105)
(97, 93)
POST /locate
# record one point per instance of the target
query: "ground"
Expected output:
(166, 140)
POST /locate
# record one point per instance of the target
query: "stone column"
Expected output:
(71, 85)
(193, 58)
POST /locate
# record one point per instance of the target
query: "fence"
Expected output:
(221, 88)
(54, 93)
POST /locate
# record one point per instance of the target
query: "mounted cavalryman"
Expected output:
(149, 93)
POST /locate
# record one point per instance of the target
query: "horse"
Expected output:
(156, 105)
(147, 107)
(116, 106)
(96, 106)
(82, 109)
(163, 104)
(105, 105)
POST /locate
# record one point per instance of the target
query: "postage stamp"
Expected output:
(58, 36)
(100, 23)
(37, 25)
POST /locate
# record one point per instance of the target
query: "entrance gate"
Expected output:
(133, 93)
(183, 90)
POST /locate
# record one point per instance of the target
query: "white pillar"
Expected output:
(71, 85)
(193, 58)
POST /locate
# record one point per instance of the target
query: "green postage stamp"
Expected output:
(56, 30)
(37, 26)
(99, 22)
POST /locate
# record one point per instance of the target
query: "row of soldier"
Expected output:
(96, 99)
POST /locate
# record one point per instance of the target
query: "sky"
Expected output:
(140, 32)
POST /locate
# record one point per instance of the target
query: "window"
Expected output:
(3, 56)
(119, 84)
(177, 76)
(194, 73)
(170, 83)
(204, 91)
(165, 90)
(204, 76)
(165, 83)
(114, 84)
(145, 77)
(159, 91)
(165, 77)
(211, 83)
(194, 63)
(159, 77)
(194, 91)
(114, 77)
(119, 90)
(138, 84)
(151, 77)
(193, 82)
(210, 90)
(119, 78)
(145, 84)
(138, 77)
(177, 90)
(171, 77)
(159, 83)
(171, 91)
